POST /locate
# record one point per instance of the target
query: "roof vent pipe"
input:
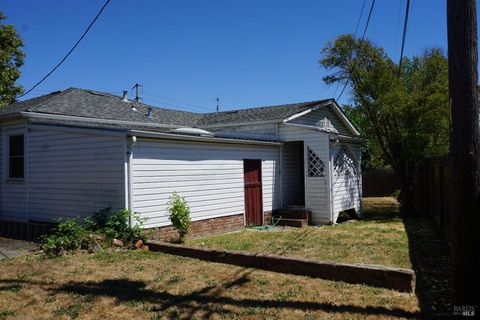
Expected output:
(125, 96)
(149, 112)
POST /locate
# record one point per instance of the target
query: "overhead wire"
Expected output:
(175, 101)
(363, 38)
(404, 36)
(69, 52)
(354, 35)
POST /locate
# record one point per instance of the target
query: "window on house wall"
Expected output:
(344, 163)
(16, 157)
(316, 168)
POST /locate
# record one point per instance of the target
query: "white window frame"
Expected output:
(6, 157)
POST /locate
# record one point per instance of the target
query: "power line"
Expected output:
(354, 35)
(363, 37)
(69, 52)
(359, 18)
(203, 108)
(405, 23)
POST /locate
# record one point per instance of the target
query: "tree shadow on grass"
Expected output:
(431, 261)
(429, 255)
(207, 301)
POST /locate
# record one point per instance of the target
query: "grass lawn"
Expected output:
(144, 285)
(379, 238)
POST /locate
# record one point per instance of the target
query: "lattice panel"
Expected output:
(344, 163)
(316, 168)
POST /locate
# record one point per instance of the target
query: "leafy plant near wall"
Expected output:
(114, 224)
(179, 214)
(68, 235)
(105, 225)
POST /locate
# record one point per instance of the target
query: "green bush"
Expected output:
(68, 235)
(179, 214)
(115, 224)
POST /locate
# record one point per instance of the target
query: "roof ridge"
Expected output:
(137, 103)
(276, 106)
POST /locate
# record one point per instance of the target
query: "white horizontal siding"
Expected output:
(316, 188)
(74, 173)
(313, 118)
(208, 175)
(347, 189)
(13, 193)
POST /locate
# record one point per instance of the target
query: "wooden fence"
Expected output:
(434, 194)
(379, 183)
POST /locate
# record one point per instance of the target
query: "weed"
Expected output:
(175, 279)
(12, 288)
(6, 313)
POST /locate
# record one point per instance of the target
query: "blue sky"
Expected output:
(185, 53)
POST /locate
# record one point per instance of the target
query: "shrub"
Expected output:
(115, 224)
(179, 214)
(68, 235)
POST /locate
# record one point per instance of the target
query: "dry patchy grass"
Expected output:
(138, 285)
(379, 238)
(142, 285)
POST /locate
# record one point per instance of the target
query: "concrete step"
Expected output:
(297, 223)
(293, 214)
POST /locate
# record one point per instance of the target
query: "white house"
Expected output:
(73, 152)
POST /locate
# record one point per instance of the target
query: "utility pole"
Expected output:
(464, 149)
(218, 103)
(137, 96)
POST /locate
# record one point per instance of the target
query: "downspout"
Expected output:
(280, 169)
(131, 141)
(26, 159)
(330, 180)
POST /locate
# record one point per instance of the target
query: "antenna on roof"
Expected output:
(218, 103)
(136, 86)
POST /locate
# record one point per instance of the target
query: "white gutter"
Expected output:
(340, 137)
(169, 136)
(35, 115)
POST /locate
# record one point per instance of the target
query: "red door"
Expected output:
(252, 171)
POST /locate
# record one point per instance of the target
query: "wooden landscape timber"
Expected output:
(372, 275)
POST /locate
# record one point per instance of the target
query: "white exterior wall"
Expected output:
(13, 200)
(69, 172)
(209, 176)
(346, 189)
(74, 172)
(316, 188)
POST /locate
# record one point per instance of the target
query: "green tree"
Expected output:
(405, 116)
(372, 156)
(11, 59)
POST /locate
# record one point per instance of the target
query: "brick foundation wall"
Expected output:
(267, 218)
(200, 228)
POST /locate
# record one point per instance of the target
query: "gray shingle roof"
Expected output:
(256, 114)
(94, 104)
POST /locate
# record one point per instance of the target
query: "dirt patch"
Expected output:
(10, 248)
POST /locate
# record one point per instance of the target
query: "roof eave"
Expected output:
(170, 136)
